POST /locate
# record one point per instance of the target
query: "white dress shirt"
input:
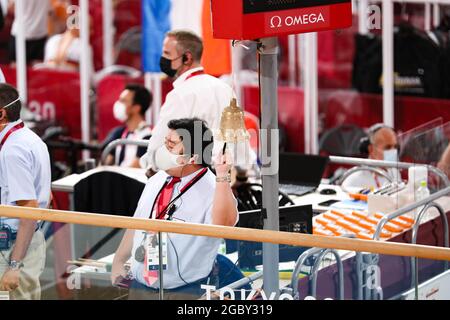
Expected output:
(202, 96)
(196, 255)
(35, 19)
(25, 172)
(367, 179)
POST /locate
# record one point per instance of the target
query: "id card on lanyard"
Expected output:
(152, 250)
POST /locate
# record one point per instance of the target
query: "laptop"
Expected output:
(301, 174)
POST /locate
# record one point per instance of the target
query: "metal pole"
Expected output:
(292, 58)
(427, 16)
(306, 91)
(269, 125)
(436, 15)
(388, 62)
(21, 60)
(362, 17)
(85, 74)
(314, 94)
(161, 267)
(236, 60)
(108, 33)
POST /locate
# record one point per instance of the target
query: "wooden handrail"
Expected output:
(275, 237)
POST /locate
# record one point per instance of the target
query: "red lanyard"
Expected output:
(125, 133)
(182, 191)
(194, 74)
(11, 131)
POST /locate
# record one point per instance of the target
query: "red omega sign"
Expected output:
(253, 19)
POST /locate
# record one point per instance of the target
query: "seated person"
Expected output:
(63, 52)
(381, 144)
(444, 162)
(209, 200)
(130, 109)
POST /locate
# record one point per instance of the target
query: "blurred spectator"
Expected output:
(58, 16)
(381, 144)
(64, 50)
(130, 109)
(35, 24)
(444, 162)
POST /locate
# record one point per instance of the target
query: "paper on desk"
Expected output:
(350, 205)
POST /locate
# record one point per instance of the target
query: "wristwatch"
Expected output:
(15, 265)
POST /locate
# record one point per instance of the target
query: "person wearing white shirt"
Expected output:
(195, 94)
(190, 259)
(380, 144)
(25, 179)
(35, 25)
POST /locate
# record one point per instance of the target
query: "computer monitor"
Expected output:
(296, 219)
(302, 169)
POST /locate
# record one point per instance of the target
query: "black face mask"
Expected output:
(166, 67)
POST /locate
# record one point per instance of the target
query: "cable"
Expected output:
(178, 262)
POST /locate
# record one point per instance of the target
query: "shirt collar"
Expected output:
(8, 127)
(185, 75)
(186, 178)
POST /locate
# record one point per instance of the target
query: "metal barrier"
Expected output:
(414, 261)
(389, 164)
(348, 173)
(321, 254)
(120, 142)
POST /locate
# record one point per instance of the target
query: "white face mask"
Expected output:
(120, 111)
(390, 155)
(165, 160)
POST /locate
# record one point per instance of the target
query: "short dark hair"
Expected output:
(7, 95)
(192, 131)
(188, 42)
(141, 96)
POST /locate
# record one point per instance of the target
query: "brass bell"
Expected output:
(232, 124)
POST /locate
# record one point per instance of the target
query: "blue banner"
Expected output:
(156, 23)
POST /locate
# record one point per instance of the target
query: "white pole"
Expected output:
(108, 33)
(436, 15)
(307, 90)
(427, 16)
(362, 17)
(292, 56)
(300, 58)
(85, 74)
(148, 84)
(314, 95)
(388, 62)
(21, 60)
(236, 61)
(153, 84)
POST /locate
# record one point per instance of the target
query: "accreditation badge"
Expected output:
(152, 253)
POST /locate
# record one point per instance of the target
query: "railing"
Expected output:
(234, 233)
(120, 142)
(389, 164)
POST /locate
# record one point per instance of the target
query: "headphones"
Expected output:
(365, 142)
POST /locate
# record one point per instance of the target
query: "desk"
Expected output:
(68, 183)
(315, 198)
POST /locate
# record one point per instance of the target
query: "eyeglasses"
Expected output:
(171, 144)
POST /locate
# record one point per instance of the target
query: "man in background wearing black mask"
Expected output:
(195, 93)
